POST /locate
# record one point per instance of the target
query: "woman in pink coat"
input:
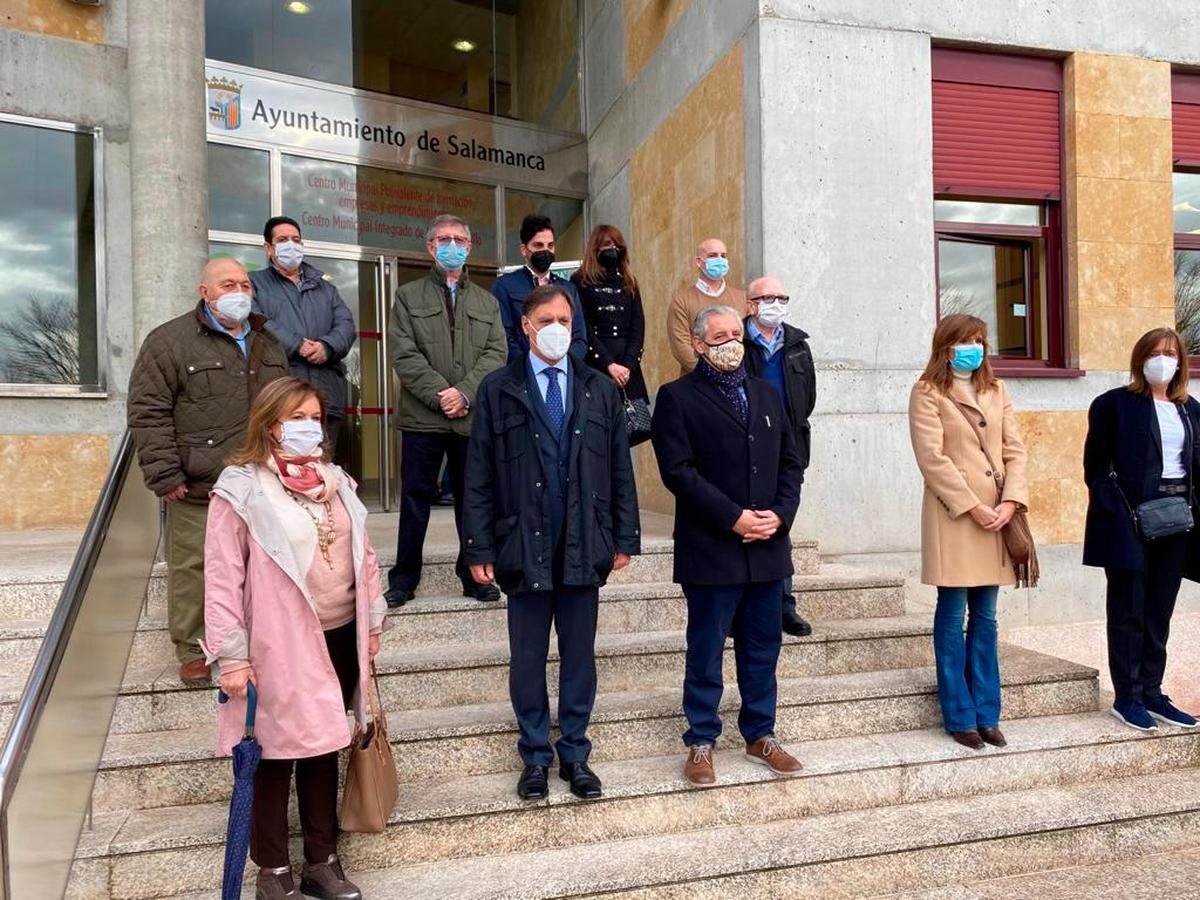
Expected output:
(292, 603)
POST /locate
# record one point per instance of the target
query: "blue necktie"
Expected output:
(554, 400)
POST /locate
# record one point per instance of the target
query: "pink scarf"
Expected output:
(305, 475)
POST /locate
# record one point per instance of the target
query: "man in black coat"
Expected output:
(550, 509)
(778, 353)
(726, 451)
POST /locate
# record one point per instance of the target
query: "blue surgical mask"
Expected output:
(716, 267)
(451, 256)
(967, 357)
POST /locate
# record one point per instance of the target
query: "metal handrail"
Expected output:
(46, 666)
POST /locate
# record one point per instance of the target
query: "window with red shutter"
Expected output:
(1185, 134)
(997, 172)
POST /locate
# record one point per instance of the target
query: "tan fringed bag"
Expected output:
(1017, 537)
(371, 783)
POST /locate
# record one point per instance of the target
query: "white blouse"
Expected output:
(1174, 436)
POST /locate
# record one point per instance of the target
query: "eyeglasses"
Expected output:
(446, 240)
(768, 299)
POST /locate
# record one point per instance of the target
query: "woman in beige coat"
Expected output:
(962, 552)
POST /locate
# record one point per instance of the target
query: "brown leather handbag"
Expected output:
(371, 782)
(1017, 536)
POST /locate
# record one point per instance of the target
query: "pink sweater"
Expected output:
(332, 586)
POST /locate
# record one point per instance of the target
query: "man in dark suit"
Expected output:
(550, 510)
(778, 353)
(511, 289)
(726, 451)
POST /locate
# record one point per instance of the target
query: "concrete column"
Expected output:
(845, 189)
(168, 159)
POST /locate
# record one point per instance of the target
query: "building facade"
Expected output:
(1037, 166)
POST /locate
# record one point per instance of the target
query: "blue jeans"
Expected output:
(968, 671)
(751, 614)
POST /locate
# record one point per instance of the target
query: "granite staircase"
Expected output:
(887, 804)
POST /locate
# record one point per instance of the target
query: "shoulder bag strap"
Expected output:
(996, 476)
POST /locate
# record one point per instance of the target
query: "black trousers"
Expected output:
(573, 610)
(421, 457)
(316, 780)
(1140, 605)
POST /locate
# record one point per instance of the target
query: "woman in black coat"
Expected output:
(1143, 444)
(612, 306)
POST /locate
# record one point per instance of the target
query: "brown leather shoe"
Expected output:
(968, 739)
(699, 766)
(275, 884)
(768, 752)
(327, 881)
(195, 672)
(993, 736)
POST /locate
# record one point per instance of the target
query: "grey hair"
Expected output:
(446, 219)
(700, 323)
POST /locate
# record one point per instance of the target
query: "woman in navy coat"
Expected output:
(1143, 443)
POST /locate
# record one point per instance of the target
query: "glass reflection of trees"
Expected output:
(41, 343)
(1187, 298)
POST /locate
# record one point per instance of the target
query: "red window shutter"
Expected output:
(997, 125)
(1185, 118)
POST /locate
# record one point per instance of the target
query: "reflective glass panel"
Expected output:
(564, 212)
(250, 256)
(48, 257)
(999, 283)
(1187, 297)
(239, 188)
(987, 213)
(348, 204)
(1187, 202)
(513, 58)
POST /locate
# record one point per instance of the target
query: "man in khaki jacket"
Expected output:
(445, 335)
(712, 259)
(189, 397)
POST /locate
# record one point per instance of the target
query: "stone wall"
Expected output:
(55, 18)
(686, 184)
(51, 480)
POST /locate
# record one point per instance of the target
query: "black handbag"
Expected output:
(1158, 518)
(637, 419)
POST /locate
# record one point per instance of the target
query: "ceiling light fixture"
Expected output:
(462, 45)
(299, 7)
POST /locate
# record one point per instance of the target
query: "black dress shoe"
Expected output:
(486, 593)
(585, 784)
(794, 625)
(993, 736)
(533, 784)
(396, 599)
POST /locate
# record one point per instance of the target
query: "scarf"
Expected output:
(730, 384)
(305, 475)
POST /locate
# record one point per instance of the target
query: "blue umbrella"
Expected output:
(237, 839)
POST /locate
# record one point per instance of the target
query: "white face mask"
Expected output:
(553, 340)
(290, 254)
(1160, 369)
(301, 437)
(771, 314)
(234, 307)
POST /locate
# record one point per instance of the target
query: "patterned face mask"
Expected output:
(727, 356)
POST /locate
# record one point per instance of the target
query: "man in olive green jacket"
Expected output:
(445, 336)
(190, 392)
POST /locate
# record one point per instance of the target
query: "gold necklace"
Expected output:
(325, 533)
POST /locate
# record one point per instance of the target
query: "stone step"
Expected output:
(153, 698)
(167, 768)
(872, 814)
(838, 592)
(1162, 876)
(35, 596)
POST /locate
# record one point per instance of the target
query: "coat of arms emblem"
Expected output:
(224, 103)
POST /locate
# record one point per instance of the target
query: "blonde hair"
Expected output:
(1177, 389)
(957, 329)
(274, 403)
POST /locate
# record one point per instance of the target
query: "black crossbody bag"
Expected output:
(1163, 516)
